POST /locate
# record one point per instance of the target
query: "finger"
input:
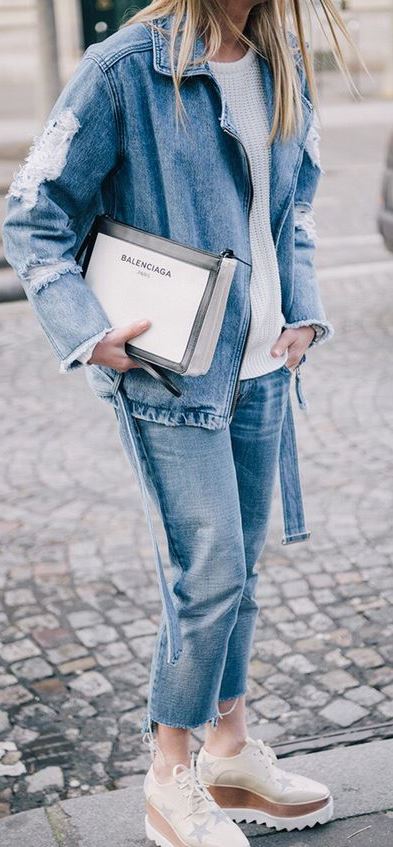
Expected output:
(125, 333)
(283, 342)
(294, 356)
(292, 363)
(127, 362)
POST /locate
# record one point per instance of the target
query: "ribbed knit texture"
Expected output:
(241, 83)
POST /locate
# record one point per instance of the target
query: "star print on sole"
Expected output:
(182, 813)
(251, 787)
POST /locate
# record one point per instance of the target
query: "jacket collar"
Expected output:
(161, 58)
(161, 63)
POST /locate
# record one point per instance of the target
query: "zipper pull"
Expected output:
(299, 390)
(230, 254)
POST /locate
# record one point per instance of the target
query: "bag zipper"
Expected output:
(227, 252)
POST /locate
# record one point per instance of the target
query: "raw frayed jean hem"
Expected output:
(148, 724)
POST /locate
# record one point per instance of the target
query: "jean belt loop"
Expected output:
(129, 437)
(291, 490)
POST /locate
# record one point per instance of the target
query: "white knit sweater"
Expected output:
(241, 84)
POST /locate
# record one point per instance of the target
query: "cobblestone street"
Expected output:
(80, 603)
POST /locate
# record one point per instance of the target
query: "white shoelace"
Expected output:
(199, 799)
(264, 750)
(149, 739)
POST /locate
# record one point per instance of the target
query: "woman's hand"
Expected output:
(110, 351)
(295, 341)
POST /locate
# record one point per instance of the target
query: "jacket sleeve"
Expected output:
(307, 308)
(52, 202)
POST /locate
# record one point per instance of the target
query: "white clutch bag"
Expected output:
(182, 290)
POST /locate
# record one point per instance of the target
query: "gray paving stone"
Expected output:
(31, 669)
(14, 696)
(321, 580)
(336, 658)
(94, 635)
(337, 680)
(121, 614)
(343, 713)
(84, 618)
(75, 706)
(302, 606)
(310, 695)
(386, 709)
(101, 749)
(380, 676)
(295, 588)
(19, 650)
(294, 629)
(22, 736)
(323, 596)
(12, 769)
(365, 695)
(365, 657)
(143, 647)
(36, 715)
(91, 684)
(298, 663)
(275, 647)
(31, 622)
(139, 627)
(66, 652)
(271, 706)
(51, 777)
(321, 622)
(7, 679)
(282, 613)
(48, 638)
(310, 645)
(113, 654)
(4, 723)
(342, 637)
(19, 597)
(388, 691)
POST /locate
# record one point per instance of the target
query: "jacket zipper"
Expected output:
(249, 201)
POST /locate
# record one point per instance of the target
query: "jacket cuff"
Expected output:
(326, 335)
(84, 357)
(72, 361)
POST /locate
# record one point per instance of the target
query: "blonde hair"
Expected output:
(266, 31)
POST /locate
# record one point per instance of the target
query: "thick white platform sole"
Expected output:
(153, 835)
(321, 816)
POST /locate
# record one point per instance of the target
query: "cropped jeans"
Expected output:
(213, 490)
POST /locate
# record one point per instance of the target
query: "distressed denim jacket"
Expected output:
(111, 146)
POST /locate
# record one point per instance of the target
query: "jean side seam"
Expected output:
(161, 498)
(171, 546)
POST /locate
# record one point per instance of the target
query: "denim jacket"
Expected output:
(111, 146)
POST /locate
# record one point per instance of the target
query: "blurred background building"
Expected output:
(41, 41)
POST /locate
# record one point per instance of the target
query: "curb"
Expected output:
(360, 778)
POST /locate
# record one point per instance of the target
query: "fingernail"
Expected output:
(143, 323)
